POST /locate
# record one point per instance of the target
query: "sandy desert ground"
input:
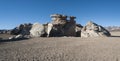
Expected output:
(62, 49)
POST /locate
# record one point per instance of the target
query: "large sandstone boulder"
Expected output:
(37, 30)
(94, 30)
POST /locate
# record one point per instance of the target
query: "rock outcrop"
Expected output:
(69, 28)
(62, 26)
(94, 30)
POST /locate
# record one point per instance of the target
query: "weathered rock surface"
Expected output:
(94, 30)
(63, 26)
(58, 19)
(23, 29)
(49, 28)
(69, 28)
(57, 31)
(37, 30)
(78, 29)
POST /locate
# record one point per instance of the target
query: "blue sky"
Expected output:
(15, 12)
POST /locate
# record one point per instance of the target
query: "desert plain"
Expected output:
(61, 49)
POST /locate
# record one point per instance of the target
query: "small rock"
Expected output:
(19, 36)
(12, 37)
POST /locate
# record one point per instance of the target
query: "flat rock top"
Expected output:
(62, 49)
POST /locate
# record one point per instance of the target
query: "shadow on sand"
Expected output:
(12, 40)
(114, 36)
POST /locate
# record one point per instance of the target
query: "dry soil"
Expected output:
(62, 49)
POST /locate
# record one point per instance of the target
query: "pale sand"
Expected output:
(62, 49)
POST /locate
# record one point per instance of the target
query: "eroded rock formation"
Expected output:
(61, 25)
(94, 30)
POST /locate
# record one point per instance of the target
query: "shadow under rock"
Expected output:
(114, 36)
(12, 40)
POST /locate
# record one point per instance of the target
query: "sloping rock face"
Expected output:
(23, 29)
(94, 30)
(37, 30)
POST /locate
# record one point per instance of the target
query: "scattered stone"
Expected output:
(19, 36)
(23, 29)
(12, 37)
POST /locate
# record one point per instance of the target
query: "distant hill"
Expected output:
(4, 31)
